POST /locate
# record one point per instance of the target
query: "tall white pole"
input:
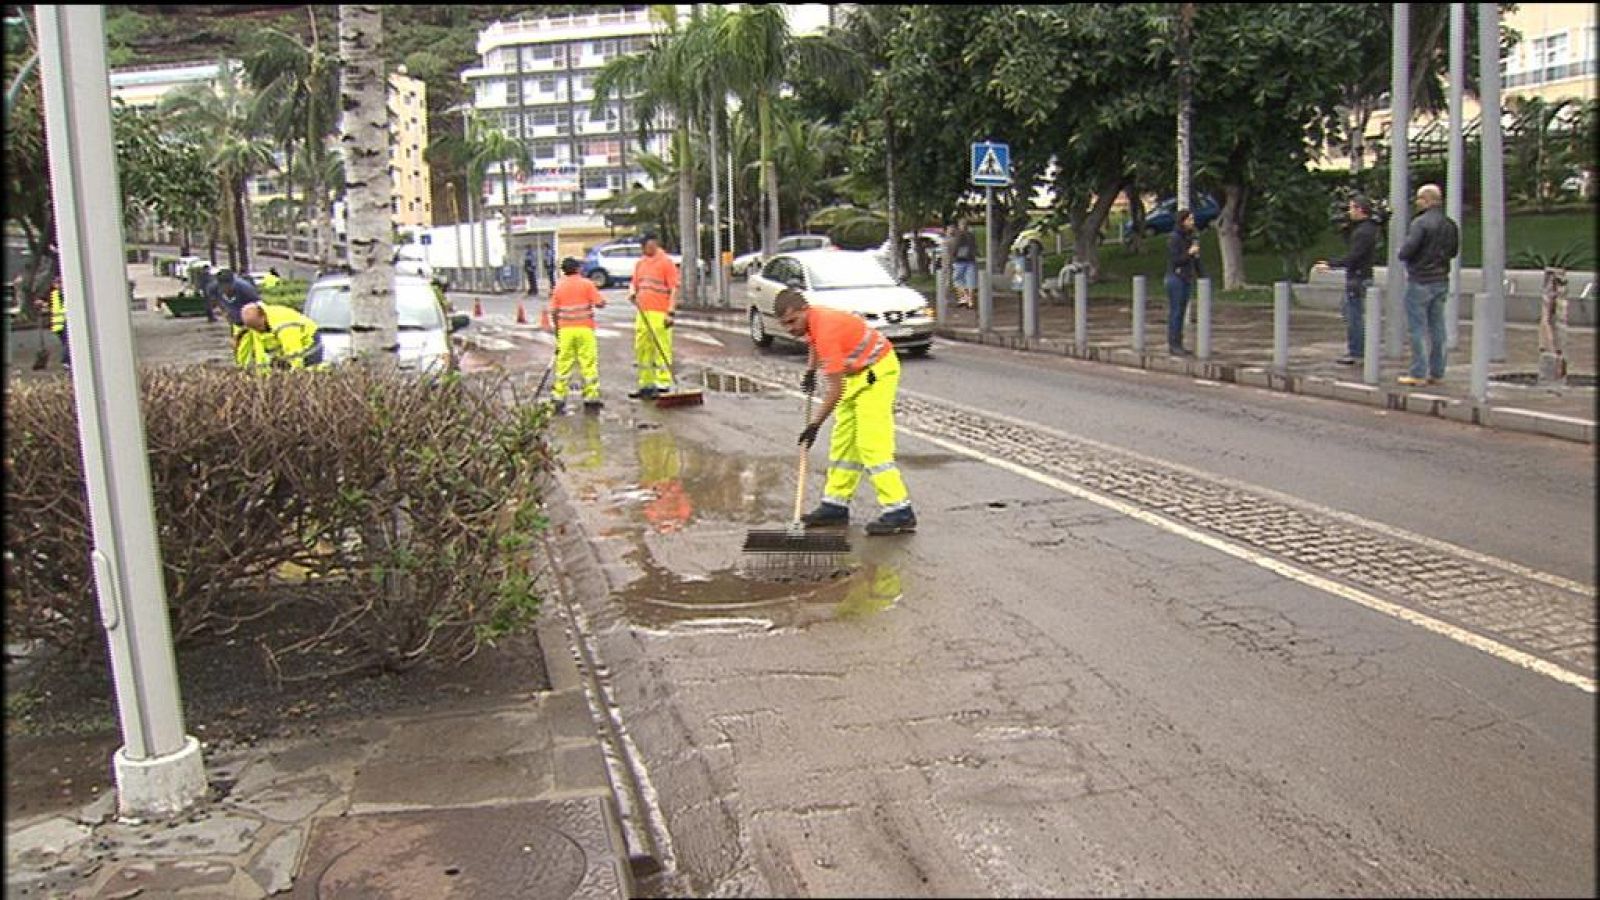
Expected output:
(1399, 178)
(158, 769)
(1455, 174)
(1492, 205)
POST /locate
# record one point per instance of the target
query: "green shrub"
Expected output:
(287, 293)
(416, 505)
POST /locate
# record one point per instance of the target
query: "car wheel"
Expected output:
(919, 352)
(600, 278)
(758, 329)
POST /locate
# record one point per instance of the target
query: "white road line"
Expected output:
(1556, 581)
(1454, 633)
(1294, 573)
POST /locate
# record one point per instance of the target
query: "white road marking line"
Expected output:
(1393, 610)
(1454, 633)
(1556, 581)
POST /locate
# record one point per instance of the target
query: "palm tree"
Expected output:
(482, 147)
(224, 117)
(502, 151)
(660, 84)
(364, 128)
(759, 53)
(299, 88)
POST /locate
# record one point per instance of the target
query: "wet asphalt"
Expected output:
(1151, 638)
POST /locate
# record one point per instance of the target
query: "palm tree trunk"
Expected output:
(716, 214)
(769, 179)
(365, 127)
(240, 226)
(1185, 101)
(688, 234)
(505, 216)
(899, 250)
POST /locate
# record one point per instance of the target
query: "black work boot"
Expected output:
(826, 514)
(901, 521)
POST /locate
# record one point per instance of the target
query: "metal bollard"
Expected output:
(1080, 312)
(1482, 345)
(1139, 301)
(941, 294)
(1202, 328)
(1372, 334)
(1030, 303)
(985, 302)
(1452, 313)
(1280, 327)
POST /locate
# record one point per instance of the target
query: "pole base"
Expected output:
(161, 787)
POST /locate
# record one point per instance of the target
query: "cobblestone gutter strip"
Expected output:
(1549, 617)
(1502, 418)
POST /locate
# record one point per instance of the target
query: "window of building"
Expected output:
(513, 92)
(547, 85)
(544, 150)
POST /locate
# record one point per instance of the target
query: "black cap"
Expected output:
(648, 236)
(571, 265)
(1362, 203)
(224, 276)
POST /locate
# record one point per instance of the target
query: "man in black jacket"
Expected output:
(1431, 243)
(1357, 266)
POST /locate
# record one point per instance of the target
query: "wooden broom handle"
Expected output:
(800, 479)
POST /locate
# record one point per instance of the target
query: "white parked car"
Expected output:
(424, 331)
(789, 243)
(412, 259)
(841, 279)
(610, 264)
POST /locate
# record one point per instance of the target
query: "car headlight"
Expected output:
(924, 311)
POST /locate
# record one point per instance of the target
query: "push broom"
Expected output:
(794, 541)
(675, 396)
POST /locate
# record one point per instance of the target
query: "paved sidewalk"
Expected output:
(1241, 352)
(490, 799)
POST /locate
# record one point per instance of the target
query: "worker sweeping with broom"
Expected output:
(863, 376)
(655, 292)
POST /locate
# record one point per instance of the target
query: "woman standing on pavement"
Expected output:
(1183, 267)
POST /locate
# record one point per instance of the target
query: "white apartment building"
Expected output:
(536, 82)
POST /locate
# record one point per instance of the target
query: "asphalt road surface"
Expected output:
(1152, 638)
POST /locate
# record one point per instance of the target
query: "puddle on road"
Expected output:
(756, 602)
(728, 382)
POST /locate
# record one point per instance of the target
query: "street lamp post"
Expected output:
(158, 769)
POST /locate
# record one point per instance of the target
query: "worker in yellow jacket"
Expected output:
(277, 337)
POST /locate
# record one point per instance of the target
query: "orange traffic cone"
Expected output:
(522, 314)
(544, 319)
(477, 308)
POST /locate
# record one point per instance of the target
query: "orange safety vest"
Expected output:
(654, 279)
(845, 343)
(573, 302)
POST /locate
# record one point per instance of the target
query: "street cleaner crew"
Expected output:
(863, 377)
(277, 337)
(655, 292)
(573, 301)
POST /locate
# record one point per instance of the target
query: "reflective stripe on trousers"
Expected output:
(654, 368)
(863, 438)
(577, 345)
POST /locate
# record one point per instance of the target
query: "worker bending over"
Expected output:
(278, 337)
(863, 378)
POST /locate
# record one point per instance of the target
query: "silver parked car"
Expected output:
(424, 330)
(841, 279)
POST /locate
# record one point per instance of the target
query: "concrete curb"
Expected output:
(1456, 409)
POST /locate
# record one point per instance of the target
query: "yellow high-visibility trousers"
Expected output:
(863, 438)
(577, 345)
(655, 368)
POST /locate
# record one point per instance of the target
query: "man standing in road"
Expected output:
(654, 292)
(964, 269)
(550, 260)
(863, 378)
(572, 305)
(1357, 266)
(1183, 267)
(1431, 243)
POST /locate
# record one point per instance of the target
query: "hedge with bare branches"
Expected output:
(412, 504)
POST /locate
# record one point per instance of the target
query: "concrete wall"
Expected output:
(1325, 290)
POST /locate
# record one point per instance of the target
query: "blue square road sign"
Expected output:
(991, 164)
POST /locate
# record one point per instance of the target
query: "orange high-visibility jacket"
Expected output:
(573, 302)
(845, 343)
(654, 279)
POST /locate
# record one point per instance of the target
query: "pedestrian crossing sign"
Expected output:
(991, 164)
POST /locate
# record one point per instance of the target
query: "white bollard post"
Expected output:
(1482, 344)
(1080, 312)
(1202, 328)
(1280, 327)
(1030, 302)
(985, 301)
(1139, 302)
(1372, 334)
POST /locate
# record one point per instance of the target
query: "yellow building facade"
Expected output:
(408, 164)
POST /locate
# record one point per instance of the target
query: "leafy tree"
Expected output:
(166, 175)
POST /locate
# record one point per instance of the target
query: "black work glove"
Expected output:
(808, 381)
(668, 322)
(809, 436)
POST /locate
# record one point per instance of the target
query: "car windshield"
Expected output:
(416, 306)
(839, 270)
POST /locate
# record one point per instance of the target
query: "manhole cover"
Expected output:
(1531, 379)
(453, 853)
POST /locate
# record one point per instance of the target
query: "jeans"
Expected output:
(1354, 309)
(1425, 310)
(1177, 307)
